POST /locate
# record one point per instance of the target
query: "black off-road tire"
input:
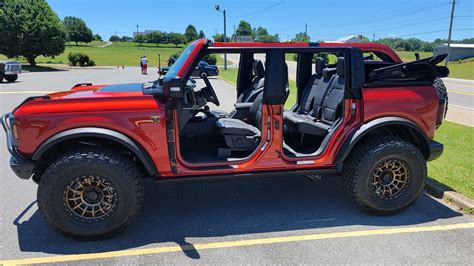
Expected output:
(113, 168)
(11, 78)
(359, 167)
(1, 77)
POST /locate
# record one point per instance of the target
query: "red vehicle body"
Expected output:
(147, 128)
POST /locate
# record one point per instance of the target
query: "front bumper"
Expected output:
(436, 149)
(22, 167)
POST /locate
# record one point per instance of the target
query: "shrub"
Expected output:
(73, 58)
(81, 59)
(211, 59)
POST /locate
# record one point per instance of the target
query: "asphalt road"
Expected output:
(242, 221)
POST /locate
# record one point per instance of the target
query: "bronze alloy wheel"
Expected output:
(390, 178)
(89, 199)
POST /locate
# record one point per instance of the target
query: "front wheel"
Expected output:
(11, 78)
(90, 193)
(384, 175)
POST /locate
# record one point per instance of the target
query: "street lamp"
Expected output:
(217, 7)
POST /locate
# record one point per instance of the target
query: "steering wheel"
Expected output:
(208, 92)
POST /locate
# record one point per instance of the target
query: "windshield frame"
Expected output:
(180, 68)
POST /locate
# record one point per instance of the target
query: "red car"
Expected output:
(371, 121)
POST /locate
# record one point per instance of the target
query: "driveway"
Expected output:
(241, 221)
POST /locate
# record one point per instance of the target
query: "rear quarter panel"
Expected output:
(418, 104)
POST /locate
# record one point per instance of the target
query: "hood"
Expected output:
(116, 90)
(89, 99)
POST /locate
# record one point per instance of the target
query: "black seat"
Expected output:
(245, 134)
(328, 112)
(310, 92)
(258, 82)
(240, 135)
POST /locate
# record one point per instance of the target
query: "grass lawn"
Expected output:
(119, 53)
(455, 168)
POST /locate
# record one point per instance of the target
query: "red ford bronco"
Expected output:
(365, 116)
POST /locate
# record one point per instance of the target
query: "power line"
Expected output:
(259, 11)
(394, 16)
(435, 31)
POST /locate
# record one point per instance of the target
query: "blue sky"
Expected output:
(326, 19)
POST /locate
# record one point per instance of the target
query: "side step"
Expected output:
(260, 174)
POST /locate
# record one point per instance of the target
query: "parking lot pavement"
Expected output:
(241, 221)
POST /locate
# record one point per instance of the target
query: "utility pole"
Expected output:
(137, 38)
(306, 29)
(217, 7)
(450, 31)
(373, 37)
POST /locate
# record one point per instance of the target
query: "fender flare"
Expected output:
(136, 149)
(351, 141)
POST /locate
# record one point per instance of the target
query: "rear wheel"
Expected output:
(90, 193)
(1, 77)
(384, 175)
(11, 78)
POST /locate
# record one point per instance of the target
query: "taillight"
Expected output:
(441, 112)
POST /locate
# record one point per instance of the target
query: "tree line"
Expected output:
(30, 28)
(162, 37)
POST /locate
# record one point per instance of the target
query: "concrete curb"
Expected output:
(440, 191)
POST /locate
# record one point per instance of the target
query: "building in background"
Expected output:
(350, 39)
(457, 51)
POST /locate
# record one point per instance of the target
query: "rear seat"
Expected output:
(258, 82)
(310, 92)
(326, 109)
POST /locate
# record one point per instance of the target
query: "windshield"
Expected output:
(179, 62)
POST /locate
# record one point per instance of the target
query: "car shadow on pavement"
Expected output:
(184, 212)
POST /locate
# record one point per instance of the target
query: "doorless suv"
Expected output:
(371, 121)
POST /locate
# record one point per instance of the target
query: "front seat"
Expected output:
(244, 136)
(239, 135)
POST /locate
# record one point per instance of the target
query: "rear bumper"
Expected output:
(22, 167)
(436, 149)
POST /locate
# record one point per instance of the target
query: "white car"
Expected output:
(9, 70)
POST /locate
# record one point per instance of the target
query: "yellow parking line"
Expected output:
(26, 92)
(237, 243)
(461, 92)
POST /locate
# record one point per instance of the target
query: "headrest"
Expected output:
(319, 66)
(340, 67)
(258, 68)
(329, 72)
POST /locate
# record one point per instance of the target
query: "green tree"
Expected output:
(301, 37)
(190, 33)
(78, 30)
(126, 39)
(176, 38)
(244, 29)
(30, 28)
(219, 37)
(261, 35)
(114, 38)
(139, 38)
(97, 37)
(201, 34)
(156, 37)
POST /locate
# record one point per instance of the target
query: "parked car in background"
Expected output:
(9, 70)
(205, 68)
